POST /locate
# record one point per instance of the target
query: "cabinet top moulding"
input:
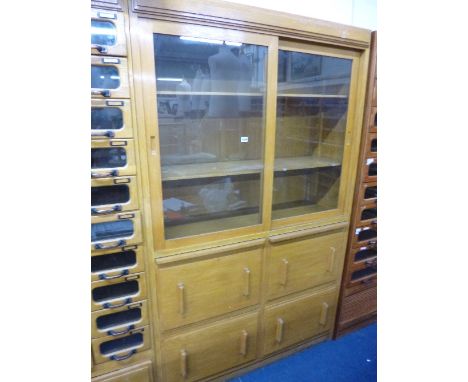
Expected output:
(249, 18)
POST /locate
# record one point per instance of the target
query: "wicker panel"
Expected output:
(359, 305)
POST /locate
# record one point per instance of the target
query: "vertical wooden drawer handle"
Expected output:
(181, 290)
(246, 281)
(243, 343)
(279, 330)
(183, 363)
(324, 314)
(331, 260)
(284, 272)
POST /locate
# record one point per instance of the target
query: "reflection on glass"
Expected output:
(103, 195)
(106, 118)
(103, 33)
(210, 101)
(108, 157)
(312, 106)
(104, 77)
(111, 230)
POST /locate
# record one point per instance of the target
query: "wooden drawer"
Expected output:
(294, 321)
(366, 215)
(304, 263)
(110, 195)
(358, 306)
(209, 350)
(115, 231)
(369, 171)
(119, 321)
(368, 194)
(109, 77)
(362, 272)
(206, 288)
(112, 157)
(142, 372)
(356, 288)
(115, 294)
(373, 120)
(364, 254)
(111, 118)
(115, 264)
(365, 236)
(371, 145)
(108, 33)
(121, 348)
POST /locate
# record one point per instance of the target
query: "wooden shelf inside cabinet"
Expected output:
(242, 167)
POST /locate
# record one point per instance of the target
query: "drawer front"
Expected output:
(305, 263)
(206, 288)
(115, 264)
(358, 306)
(108, 33)
(112, 158)
(115, 231)
(368, 194)
(364, 254)
(115, 294)
(373, 119)
(139, 373)
(109, 77)
(113, 195)
(371, 145)
(362, 273)
(111, 118)
(355, 288)
(367, 215)
(209, 350)
(121, 348)
(370, 170)
(291, 322)
(365, 236)
(119, 321)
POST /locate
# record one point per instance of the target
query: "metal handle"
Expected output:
(108, 305)
(105, 93)
(183, 363)
(114, 333)
(284, 272)
(324, 313)
(279, 330)
(366, 281)
(243, 343)
(181, 289)
(246, 281)
(107, 134)
(95, 175)
(99, 48)
(104, 211)
(120, 243)
(331, 260)
(103, 276)
(371, 262)
(126, 356)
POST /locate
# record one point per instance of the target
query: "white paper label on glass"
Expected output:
(244, 139)
(369, 161)
(106, 15)
(110, 61)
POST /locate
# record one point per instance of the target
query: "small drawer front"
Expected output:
(370, 170)
(304, 263)
(295, 321)
(206, 288)
(117, 322)
(373, 120)
(368, 194)
(367, 215)
(356, 288)
(108, 33)
(209, 350)
(365, 236)
(121, 348)
(109, 77)
(138, 373)
(362, 273)
(118, 293)
(365, 254)
(115, 231)
(113, 195)
(115, 264)
(112, 158)
(111, 118)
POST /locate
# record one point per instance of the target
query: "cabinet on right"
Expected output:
(358, 297)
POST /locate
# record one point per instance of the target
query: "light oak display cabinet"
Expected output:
(238, 131)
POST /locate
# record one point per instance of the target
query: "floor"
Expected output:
(352, 358)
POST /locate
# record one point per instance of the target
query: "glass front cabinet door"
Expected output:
(244, 131)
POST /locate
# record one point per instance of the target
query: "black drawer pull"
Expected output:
(120, 243)
(112, 173)
(104, 93)
(95, 211)
(108, 305)
(107, 134)
(103, 276)
(114, 333)
(121, 358)
(99, 48)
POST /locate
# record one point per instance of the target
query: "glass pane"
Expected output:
(373, 147)
(367, 234)
(103, 33)
(366, 272)
(111, 230)
(128, 342)
(104, 77)
(108, 157)
(125, 259)
(127, 317)
(372, 169)
(211, 117)
(312, 106)
(106, 118)
(117, 194)
(369, 213)
(371, 192)
(365, 254)
(114, 291)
